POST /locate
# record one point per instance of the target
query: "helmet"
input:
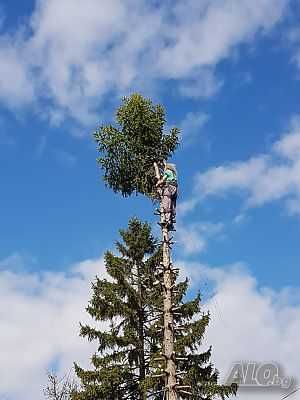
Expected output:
(171, 167)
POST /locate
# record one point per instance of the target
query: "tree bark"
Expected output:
(142, 365)
(168, 341)
(168, 330)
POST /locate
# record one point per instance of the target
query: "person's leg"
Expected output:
(167, 203)
(173, 203)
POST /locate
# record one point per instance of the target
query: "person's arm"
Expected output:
(157, 174)
(160, 180)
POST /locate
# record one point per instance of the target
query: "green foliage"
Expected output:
(128, 150)
(129, 306)
(126, 304)
(197, 370)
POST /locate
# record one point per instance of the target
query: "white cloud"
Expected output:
(193, 237)
(289, 145)
(207, 31)
(202, 84)
(292, 39)
(186, 206)
(39, 317)
(261, 179)
(239, 219)
(15, 78)
(192, 124)
(249, 322)
(76, 56)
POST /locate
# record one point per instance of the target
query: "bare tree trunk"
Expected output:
(168, 341)
(142, 366)
(169, 281)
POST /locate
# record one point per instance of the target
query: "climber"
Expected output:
(167, 187)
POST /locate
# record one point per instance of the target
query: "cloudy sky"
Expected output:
(228, 73)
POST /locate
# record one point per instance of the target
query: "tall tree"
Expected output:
(128, 302)
(129, 362)
(128, 153)
(132, 153)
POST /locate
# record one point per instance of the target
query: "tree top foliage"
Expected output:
(129, 149)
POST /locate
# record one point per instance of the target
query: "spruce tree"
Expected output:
(129, 360)
(132, 154)
(128, 302)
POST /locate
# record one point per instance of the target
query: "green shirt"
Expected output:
(169, 176)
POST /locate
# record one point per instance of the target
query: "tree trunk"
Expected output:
(168, 341)
(142, 364)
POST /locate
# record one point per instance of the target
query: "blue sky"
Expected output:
(227, 73)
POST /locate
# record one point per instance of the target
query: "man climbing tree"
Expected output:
(167, 186)
(131, 155)
(129, 149)
(128, 153)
